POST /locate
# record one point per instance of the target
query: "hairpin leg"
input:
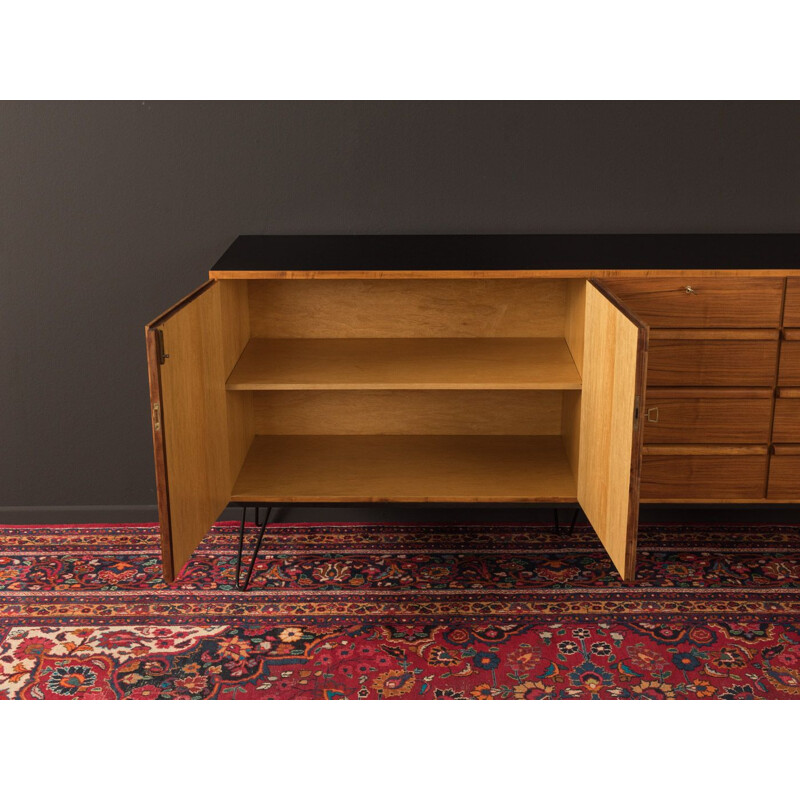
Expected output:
(262, 528)
(556, 526)
(574, 520)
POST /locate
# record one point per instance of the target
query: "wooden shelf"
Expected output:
(469, 363)
(405, 469)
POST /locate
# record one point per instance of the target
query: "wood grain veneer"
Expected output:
(405, 364)
(711, 362)
(532, 273)
(787, 418)
(789, 374)
(159, 452)
(402, 309)
(791, 310)
(401, 469)
(195, 421)
(430, 412)
(671, 416)
(575, 321)
(711, 472)
(711, 303)
(784, 473)
(206, 431)
(615, 363)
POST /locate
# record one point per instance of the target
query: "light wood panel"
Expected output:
(787, 419)
(494, 274)
(615, 362)
(497, 413)
(235, 331)
(670, 417)
(703, 362)
(695, 472)
(400, 469)
(791, 310)
(287, 364)
(731, 302)
(575, 320)
(400, 309)
(201, 448)
(159, 451)
(790, 360)
(571, 429)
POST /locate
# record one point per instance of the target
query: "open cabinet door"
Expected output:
(610, 451)
(200, 434)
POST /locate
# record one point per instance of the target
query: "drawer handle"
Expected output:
(690, 290)
(652, 414)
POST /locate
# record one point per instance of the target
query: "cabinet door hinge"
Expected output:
(162, 356)
(636, 402)
(157, 416)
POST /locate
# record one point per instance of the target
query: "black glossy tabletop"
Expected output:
(513, 251)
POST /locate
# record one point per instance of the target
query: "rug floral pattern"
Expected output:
(385, 612)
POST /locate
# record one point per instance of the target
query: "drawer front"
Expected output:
(711, 362)
(711, 303)
(703, 477)
(706, 420)
(787, 420)
(791, 311)
(784, 477)
(790, 361)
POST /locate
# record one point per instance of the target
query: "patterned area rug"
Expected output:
(401, 612)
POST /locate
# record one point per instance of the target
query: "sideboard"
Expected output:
(606, 371)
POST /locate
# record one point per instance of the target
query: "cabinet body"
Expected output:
(473, 386)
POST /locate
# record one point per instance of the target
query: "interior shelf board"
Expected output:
(399, 469)
(468, 363)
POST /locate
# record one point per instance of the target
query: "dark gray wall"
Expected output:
(109, 212)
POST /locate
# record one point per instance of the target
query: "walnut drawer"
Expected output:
(693, 361)
(784, 473)
(791, 311)
(786, 427)
(789, 374)
(694, 472)
(707, 416)
(711, 303)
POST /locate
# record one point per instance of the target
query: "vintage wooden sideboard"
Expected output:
(606, 371)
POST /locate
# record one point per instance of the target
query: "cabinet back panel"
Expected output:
(407, 308)
(321, 413)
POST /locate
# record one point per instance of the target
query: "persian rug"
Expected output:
(382, 611)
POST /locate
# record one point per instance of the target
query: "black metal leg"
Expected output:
(241, 544)
(574, 520)
(243, 587)
(556, 526)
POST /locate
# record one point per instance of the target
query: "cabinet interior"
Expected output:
(404, 390)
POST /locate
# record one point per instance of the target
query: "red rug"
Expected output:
(360, 611)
